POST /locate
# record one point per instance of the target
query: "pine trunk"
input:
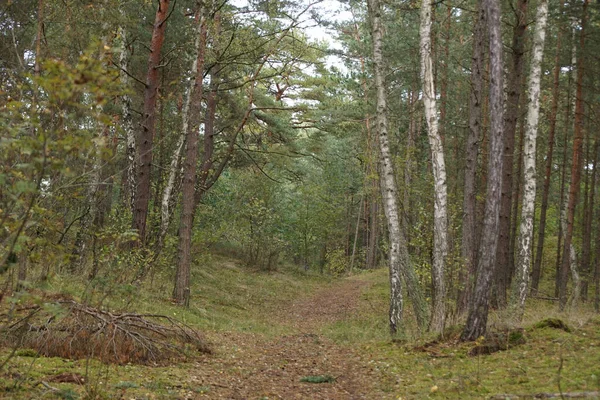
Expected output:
(478, 310)
(576, 166)
(469, 235)
(503, 255)
(145, 136)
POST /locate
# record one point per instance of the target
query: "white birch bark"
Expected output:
(529, 154)
(127, 120)
(440, 212)
(399, 260)
(174, 169)
(388, 183)
(574, 300)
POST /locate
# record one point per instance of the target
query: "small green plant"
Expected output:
(26, 353)
(318, 379)
(126, 385)
(67, 394)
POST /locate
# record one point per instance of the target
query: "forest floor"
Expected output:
(271, 332)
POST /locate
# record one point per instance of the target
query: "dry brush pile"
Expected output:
(73, 330)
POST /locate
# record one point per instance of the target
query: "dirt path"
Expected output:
(248, 366)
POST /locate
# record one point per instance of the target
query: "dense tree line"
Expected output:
(453, 142)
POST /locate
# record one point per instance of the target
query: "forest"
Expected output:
(315, 199)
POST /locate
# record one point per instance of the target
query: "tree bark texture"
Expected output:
(388, 183)
(181, 292)
(127, 123)
(469, 235)
(504, 258)
(479, 306)
(529, 157)
(576, 165)
(440, 213)
(145, 135)
(537, 265)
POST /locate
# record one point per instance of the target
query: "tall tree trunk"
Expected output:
(537, 265)
(181, 292)
(529, 157)
(145, 135)
(516, 194)
(576, 164)
(440, 213)
(388, 183)
(503, 256)
(588, 211)
(399, 260)
(563, 174)
(127, 123)
(479, 306)
(469, 235)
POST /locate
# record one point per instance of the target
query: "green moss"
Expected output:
(553, 323)
(318, 379)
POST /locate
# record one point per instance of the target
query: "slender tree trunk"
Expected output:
(356, 230)
(388, 183)
(529, 157)
(145, 135)
(511, 117)
(181, 292)
(590, 188)
(537, 265)
(127, 124)
(440, 217)
(469, 235)
(399, 260)
(517, 195)
(575, 165)
(478, 310)
(563, 175)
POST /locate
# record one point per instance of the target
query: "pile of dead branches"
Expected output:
(79, 331)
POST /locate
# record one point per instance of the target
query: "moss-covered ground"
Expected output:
(272, 331)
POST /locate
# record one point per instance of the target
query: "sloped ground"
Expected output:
(249, 366)
(244, 365)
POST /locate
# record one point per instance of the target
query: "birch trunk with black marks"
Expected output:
(537, 265)
(388, 182)
(529, 157)
(478, 310)
(127, 123)
(440, 213)
(181, 291)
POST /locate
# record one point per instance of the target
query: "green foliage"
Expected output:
(337, 262)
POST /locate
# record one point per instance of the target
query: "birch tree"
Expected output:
(440, 213)
(529, 157)
(399, 260)
(181, 291)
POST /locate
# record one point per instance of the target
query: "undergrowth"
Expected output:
(228, 299)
